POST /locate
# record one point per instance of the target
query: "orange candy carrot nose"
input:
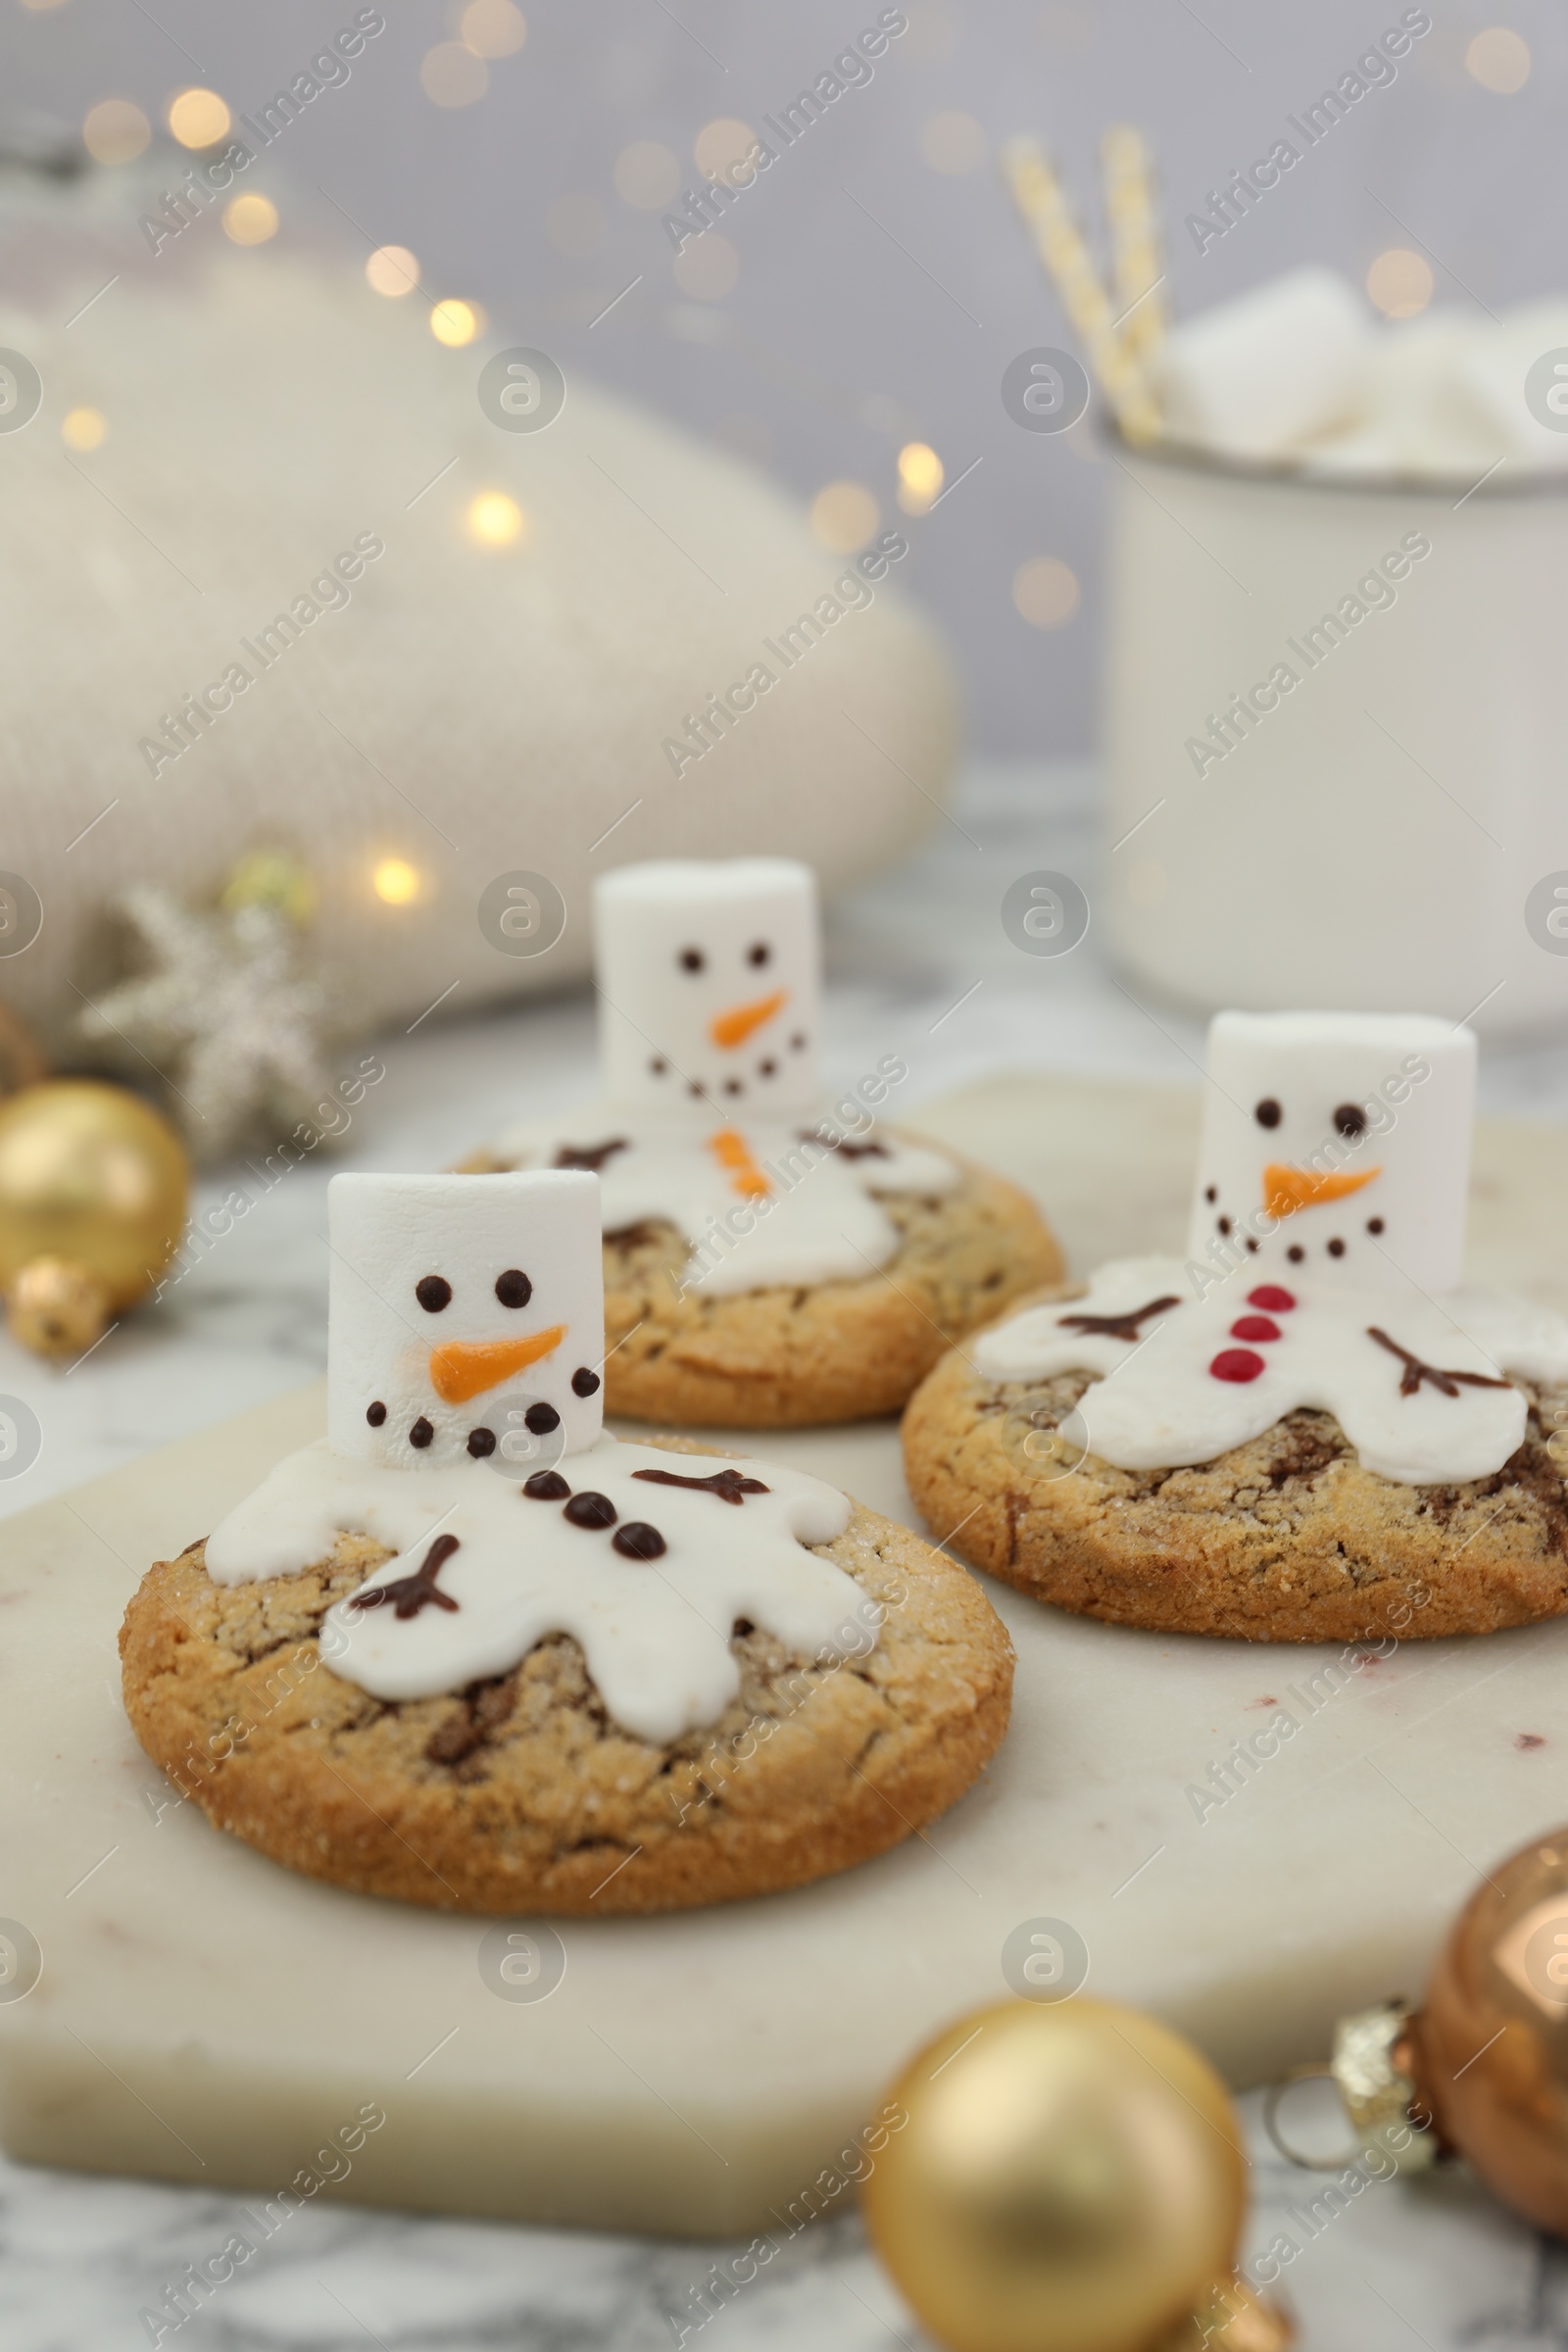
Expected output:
(732, 1152)
(1286, 1190)
(734, 1027)
(464, 1368)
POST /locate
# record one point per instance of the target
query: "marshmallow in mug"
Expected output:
(457, 1303)
(708, 984)
(1254, 377)
(1337, 1146)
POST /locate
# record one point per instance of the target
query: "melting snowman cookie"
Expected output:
(467, 1581)
(463, 1396)
(1324, 1280)
(712, 1122)
(713, 1134)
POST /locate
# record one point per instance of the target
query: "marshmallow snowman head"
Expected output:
(466, 1318)
(1336, 1147)
(710, 980)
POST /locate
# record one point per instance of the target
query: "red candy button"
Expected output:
(1254, 1327)
(1236, 1363)
(1272, 1299)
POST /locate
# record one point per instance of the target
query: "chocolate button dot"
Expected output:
(658, 1065)
(767, 1069)
(1268, 1113)
(433, 1292)
(542, 1419)
(585, 1381)
(513, 1288)
(1336, 1247)
(638, 1541)
(480, 1442)
(732, 1086)
(1224, 1224)
(1374, 1224)
(1295, 1254)
(546, 1485)
(591, 1510)
(375, 1414)
(422, 1433)
(1211, 1194)
(797, 1042)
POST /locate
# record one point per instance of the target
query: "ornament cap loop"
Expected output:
(1369, 2069)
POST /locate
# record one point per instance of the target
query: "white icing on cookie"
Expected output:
(655, 1631)
(1336, 1147)
(456, 1304)
(709, 976)
(761, 1204)
(1164, 1398)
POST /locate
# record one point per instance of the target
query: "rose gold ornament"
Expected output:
(1481, 2070)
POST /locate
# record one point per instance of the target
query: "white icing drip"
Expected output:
(655, 1634)
(820, 1222)
(1159, 1406)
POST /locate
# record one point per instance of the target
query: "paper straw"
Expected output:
(1043, 206)
(1132, 206)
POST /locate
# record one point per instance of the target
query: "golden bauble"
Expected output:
(57, 1308)
(1070, 2179)
(93, 1176)
(1490, 2047)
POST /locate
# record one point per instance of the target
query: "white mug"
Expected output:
(1337, 743)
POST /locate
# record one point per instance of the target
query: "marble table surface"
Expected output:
(920, 965)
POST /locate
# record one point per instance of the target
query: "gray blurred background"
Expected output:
(880, 283)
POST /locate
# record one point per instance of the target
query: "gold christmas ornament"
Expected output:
(1481, 2070)
(1070, 2179)
(93, 1193)
(55, 1307)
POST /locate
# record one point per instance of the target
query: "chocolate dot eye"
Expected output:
(542, 1419)
(692, 960)
(513, 1288)
(1374, 1224)
(375, 1414)
(481, 1442)
(658, 1065)
(433, 1292)
(1350, 1119)
(421, 1434)
(1268, 1113)
(1211, 1194)
(759, 953)
(767, 1069)
(583, 1382)
(1336, 1247)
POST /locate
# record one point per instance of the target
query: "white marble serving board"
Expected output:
(203, 2016)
